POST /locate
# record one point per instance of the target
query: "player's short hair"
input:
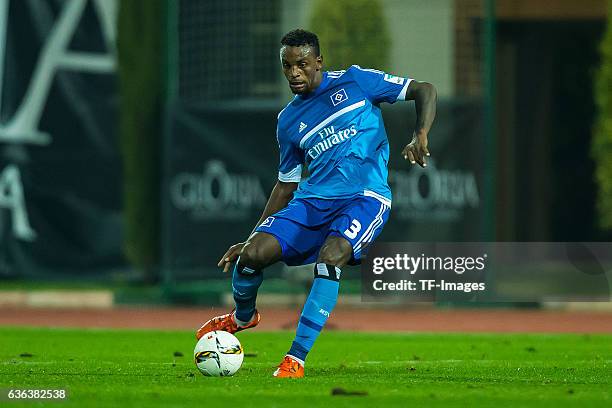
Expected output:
(299, 37)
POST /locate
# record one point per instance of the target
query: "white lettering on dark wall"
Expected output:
(22, 126)
(216, 192)
(447, 194)
(12, 199)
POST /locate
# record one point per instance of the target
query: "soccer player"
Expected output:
(333, 127)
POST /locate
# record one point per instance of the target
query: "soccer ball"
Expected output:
(218, 354)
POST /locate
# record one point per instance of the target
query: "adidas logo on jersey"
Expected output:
(302, 126)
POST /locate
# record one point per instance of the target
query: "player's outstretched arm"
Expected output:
(280, 196)
(424, 95)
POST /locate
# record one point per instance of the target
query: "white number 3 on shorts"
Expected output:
(353, 230)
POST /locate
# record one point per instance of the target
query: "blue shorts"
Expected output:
(302, 227)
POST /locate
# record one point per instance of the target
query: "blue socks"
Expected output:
(318, 307)
(245, 282)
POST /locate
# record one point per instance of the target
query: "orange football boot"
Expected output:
(226, 323)
(289, 368)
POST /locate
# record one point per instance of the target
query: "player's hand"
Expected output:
(230, 256)
(416, 150)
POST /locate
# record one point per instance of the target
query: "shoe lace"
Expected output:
(223, 321)
(289, 365)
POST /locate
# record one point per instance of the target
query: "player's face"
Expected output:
(302, 68)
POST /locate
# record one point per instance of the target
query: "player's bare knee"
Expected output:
(335, 254)
(252, 256)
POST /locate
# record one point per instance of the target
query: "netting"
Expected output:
(227, 49)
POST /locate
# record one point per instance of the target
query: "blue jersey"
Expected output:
(337, 131)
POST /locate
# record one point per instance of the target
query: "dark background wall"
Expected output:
(546, 188)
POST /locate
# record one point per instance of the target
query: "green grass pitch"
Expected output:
(138, 368)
